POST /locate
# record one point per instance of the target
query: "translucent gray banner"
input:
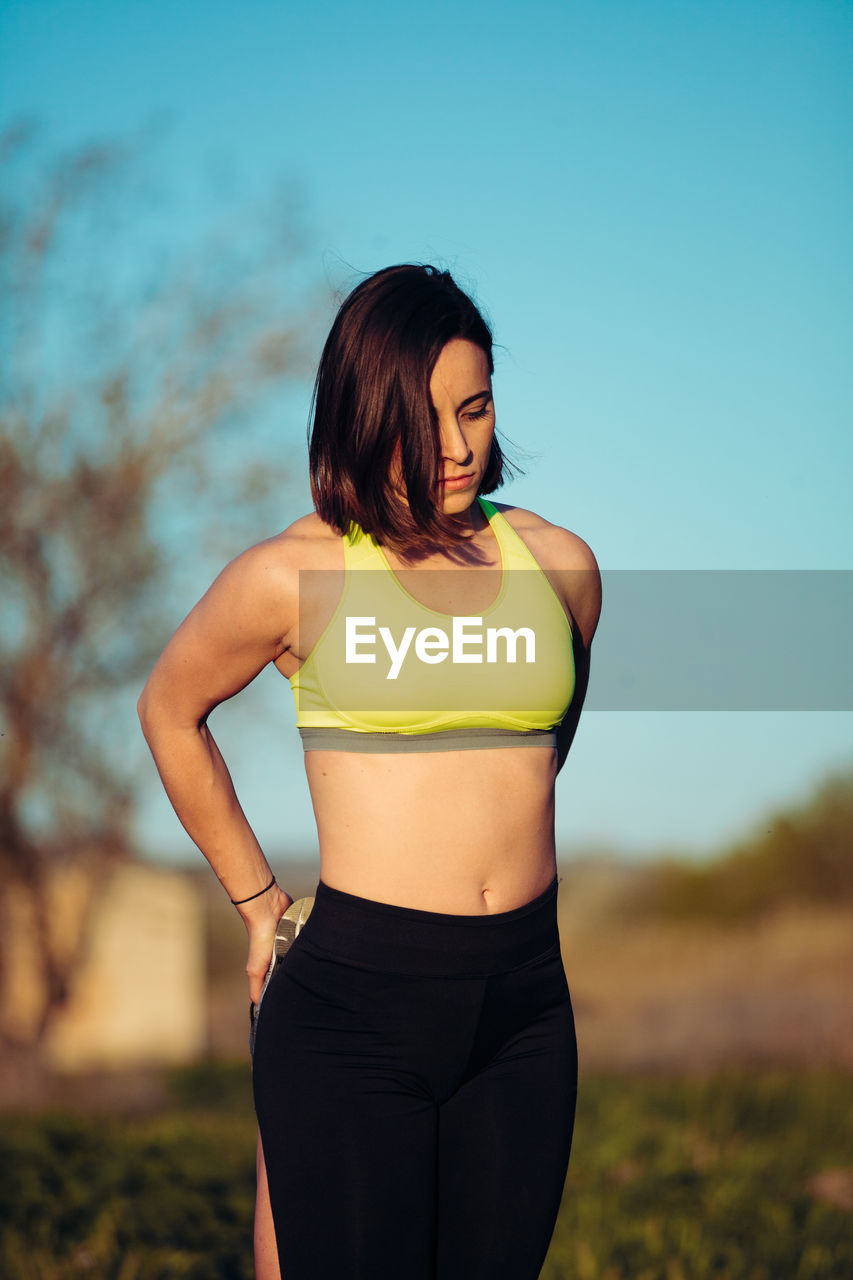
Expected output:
(668, 640)
(724, 640)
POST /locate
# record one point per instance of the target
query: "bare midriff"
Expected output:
(459, 832)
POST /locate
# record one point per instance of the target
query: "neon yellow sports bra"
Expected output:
(389, 674)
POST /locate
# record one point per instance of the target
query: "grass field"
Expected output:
(742, 1176)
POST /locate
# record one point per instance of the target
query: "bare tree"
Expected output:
(128, 392)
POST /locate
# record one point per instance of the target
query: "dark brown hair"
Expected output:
(372, 390)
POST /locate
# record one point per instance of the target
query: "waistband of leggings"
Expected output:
(380, 936)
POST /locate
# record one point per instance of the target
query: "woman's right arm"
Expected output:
(243, 622)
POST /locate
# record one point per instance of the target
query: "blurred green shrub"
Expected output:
(670, 1179)
(680, 1179)
(213, 1085)
(137, 1199)
(802, 855)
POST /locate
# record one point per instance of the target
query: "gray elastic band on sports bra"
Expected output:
(389, 742)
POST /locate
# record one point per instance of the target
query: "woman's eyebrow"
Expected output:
(478, 396)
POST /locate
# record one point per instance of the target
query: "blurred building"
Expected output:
(138, 996)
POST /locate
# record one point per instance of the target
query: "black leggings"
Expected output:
(415, 1078)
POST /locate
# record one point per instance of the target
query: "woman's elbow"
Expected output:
(149, 708)
(162, 715)
(143, 711)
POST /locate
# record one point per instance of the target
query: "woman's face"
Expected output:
(461, 392)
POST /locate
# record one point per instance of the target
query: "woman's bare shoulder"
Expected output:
(568, 561)
(307, 543)
(261, 584)
(554, 546)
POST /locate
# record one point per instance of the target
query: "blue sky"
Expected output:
(653, 201)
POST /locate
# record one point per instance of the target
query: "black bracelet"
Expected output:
(235, 902)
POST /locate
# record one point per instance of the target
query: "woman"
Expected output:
(415, 1061)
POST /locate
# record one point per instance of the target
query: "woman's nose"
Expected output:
(453, 443)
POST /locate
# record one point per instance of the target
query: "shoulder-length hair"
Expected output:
(372, 393)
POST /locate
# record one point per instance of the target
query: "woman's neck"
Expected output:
(478, 550)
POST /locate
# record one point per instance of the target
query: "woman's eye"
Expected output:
(479, 413)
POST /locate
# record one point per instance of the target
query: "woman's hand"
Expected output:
(261, 918)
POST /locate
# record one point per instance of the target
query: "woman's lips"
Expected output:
(458, 482)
